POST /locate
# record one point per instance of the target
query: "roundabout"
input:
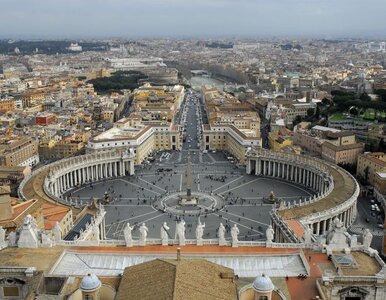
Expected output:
(206, 204)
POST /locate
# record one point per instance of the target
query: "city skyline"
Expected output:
(172, 18)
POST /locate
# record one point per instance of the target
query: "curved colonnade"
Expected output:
(52, 181)
(336, 192)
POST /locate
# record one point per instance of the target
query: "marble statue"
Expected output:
(234, 233)
(337, 238)
(180, 232)
(57, 232)
(165, 234)
(338, 234)
(127, 234)
(367, 237)
(2, 238)
(28, 237)
(199, 232)
(96, 232)
(46, 241)
(307, 235)
(143, 234)
(12, 239)
(269, 234)
(34, 224)
(27, 220)
(354, 241)
(2, 235)
(221, 235)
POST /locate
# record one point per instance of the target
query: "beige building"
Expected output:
(333, 145)
(143, 140)
(18, 151)
(341, 148)
(229, 138)
(380, 182)
(369, 164)
(233, 126)
(149, 127)
(7, 105)
(51, 149)
(280, 139)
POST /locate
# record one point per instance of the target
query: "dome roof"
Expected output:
(263, 284)
(90, 282)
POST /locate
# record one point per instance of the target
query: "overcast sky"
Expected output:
(193, 18)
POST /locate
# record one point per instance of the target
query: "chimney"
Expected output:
(178, 254)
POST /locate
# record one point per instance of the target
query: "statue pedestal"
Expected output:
(188, 202)
(235, 244)
(200, 242)
(164, 242)
(142, 243)
(222, 242)
(129, 243)
(181, 242)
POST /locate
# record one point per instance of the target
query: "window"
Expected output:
(11, 291)
(263, 298)
(88, 297)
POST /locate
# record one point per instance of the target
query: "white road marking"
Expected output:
(149, 183)
(228, 183)
(141, 187)
(241, 185)
(250, 220)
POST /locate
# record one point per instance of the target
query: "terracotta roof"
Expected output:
(52, 214)
(19, 211)
(296, 226)
(173, 279)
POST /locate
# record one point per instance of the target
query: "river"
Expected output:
(198, 81)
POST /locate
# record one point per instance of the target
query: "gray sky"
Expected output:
(183, 18)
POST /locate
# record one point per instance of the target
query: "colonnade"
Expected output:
(302, 174)
(347, 217)
(70, 173)
(283, 234)
(315, 175)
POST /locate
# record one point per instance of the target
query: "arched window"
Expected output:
(88, 297)
(263, 298)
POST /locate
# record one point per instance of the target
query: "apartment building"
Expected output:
(18, 151)
(369, 164)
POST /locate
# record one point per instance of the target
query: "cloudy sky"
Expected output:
(193, 18)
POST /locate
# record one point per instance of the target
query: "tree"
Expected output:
(353, 111)
(365, 97)
(310, 112)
